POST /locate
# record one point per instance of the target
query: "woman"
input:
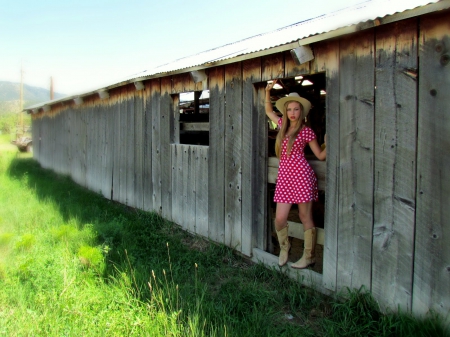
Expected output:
(296, 181)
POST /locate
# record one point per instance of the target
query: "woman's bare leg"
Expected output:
(281, 215)
(305, 214)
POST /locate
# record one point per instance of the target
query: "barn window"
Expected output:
(194, 117)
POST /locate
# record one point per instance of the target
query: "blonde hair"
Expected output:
(284, 128)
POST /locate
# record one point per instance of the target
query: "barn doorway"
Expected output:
(313, 88)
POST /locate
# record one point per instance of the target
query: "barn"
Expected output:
(190, 141)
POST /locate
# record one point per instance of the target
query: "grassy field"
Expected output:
(75, 264)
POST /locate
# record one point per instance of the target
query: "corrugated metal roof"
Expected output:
(320, 28)
(360, 13)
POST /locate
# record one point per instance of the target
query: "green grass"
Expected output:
(75, 264)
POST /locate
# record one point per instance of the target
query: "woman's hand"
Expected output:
(270, 85)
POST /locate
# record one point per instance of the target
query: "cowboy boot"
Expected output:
(285, 245)
(308, 257)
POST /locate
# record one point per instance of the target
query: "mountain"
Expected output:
(10, 96)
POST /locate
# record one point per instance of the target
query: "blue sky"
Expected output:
(88, 44)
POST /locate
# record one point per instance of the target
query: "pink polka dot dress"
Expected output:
(296, 181)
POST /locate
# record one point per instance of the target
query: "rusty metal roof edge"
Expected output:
(410, 13)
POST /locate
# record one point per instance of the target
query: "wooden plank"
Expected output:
(201, 188)
(233, 158)
(356, 160)
(156, 145)
(63, 143)
(306, 276)
(151, 91)
(183, 83)
(260, 192)
(166, 129)
(139, 124)
(395, 161)
(184, 185)
(192, 176)
(72, 148)
(431, 286)
(272, 67)
(91, 152)
(251, 73)
(83, 146)
(177, 171)
(200, 126)
(123, 147)
(107, 162)
(55, 150)
(130, 144)
(35, 132)
(116, 150)
(216, 169)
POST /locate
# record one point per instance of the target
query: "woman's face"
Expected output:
(293, 112)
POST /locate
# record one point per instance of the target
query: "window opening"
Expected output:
(194, 117)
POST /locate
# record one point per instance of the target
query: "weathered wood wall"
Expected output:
(387, 177)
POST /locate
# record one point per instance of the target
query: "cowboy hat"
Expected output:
(293, 96)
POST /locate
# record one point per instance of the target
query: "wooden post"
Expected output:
(395, 163)
(431, 289)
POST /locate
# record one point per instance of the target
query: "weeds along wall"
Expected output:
(387, 177)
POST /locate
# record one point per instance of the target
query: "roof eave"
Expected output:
(422, 10)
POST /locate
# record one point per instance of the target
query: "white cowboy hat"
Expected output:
(293, 96)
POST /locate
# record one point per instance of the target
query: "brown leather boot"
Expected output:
(308, 257)
(285, 245)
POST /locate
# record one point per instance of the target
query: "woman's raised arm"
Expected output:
(268, 104)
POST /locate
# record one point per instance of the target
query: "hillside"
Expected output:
(10, 96)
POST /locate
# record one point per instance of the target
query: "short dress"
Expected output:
(296, 181)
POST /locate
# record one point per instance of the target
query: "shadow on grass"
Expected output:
(135, 239)
(246, 298)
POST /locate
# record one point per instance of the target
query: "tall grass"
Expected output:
(75, 264)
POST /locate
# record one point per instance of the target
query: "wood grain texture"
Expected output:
(177, 180)
(166, 127)
(123, 147)
(201, 190)
(261, 215)
(185, 188)
(151, 88)
(108, 153)
(356, 126)
(156, 144)
(327, 59)
(431, 289)
(272, 67)
(233, 155)
(139, 125)
(216, 169)
(251, 73)
(130, 151)
(395, 164)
